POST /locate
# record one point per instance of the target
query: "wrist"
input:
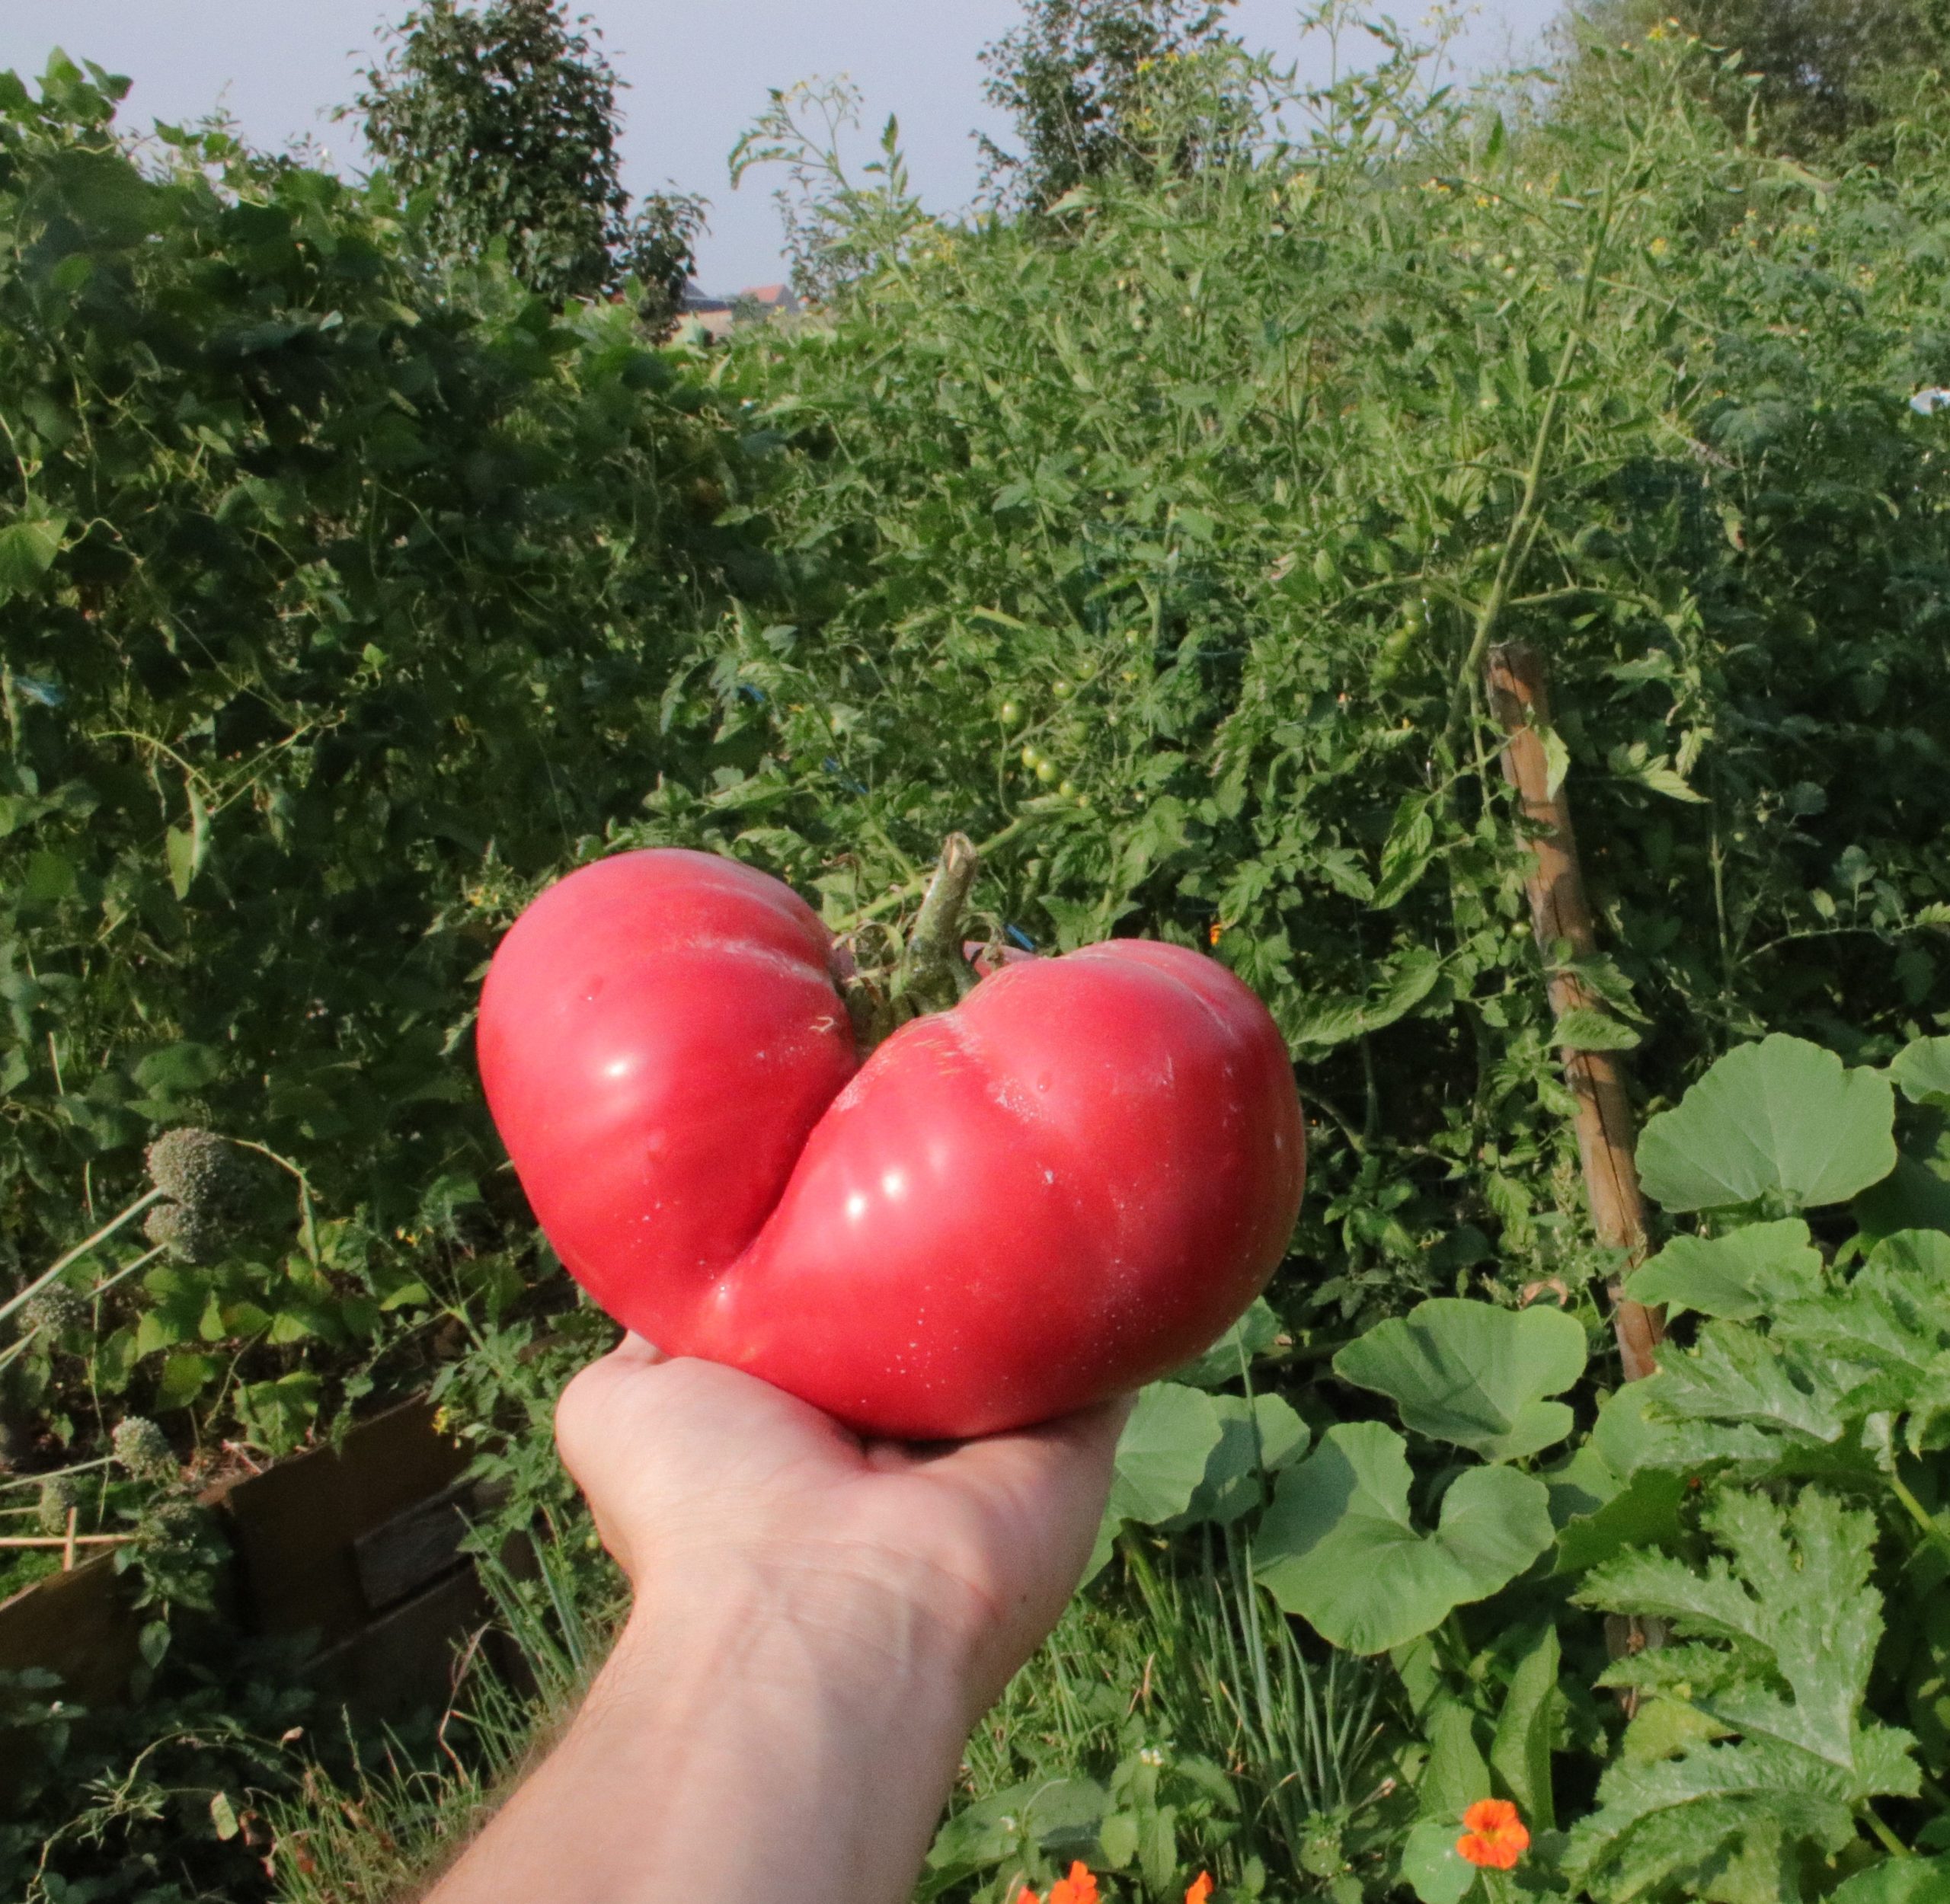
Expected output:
(825, 1625)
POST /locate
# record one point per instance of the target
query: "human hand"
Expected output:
(818, 1621)
(708, 1484)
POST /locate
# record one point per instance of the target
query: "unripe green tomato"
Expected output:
(1134, 638)
(1068, 789)
(1011, 714)
(1394, 654)
(1046, 770)
(1030, 756)
(1062, 691)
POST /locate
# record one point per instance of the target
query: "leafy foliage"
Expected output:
(1157, 541)
(1339, 1548)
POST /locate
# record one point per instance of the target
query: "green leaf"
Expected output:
(1749, 1272)
(1885, 1342)
(1431, 1866)
(179, 1070)
(278, 1414)
(1644, 1512)
(1456, 1774)
(1337, 1546)
(1340, 1022)
(1228, 1359)
(1780, 1122)
(1586, 1028)
(1527, 1730)
(1262, 1439)
(1902, 1880)
(1405, 857)
(1473, 1374)
(1922, 1071)
(1738, 1396)
(183, 1378)
(27, 550)
(1162, 1454)
(1557, 761)
(179, 849)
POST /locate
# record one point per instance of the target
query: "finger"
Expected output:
(1075, 1451)
(640, 1349)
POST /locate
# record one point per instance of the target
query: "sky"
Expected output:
(699, 73)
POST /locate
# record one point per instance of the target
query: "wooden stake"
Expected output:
(63, 1541)
(68, 1552)
(1561, 915)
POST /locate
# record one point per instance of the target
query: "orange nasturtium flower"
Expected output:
(1079, 1888)
(1200, 1889)
(1493, 1835)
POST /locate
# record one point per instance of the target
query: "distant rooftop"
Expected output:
(716, 313)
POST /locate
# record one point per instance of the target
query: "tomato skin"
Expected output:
(659, 1033)
(1071, 1183)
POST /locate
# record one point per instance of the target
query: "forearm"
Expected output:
(743, 1744)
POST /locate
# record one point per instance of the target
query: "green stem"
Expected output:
(307, 1215)
(893, 901)
(1889, 1841)
(933, 975)
(1523, 529)
(1919, 1514)
(74, 1255)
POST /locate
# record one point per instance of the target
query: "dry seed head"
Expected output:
(55, 1310)
(187, 1231)
(197, 1168)
(143, 1448)
(57, 1496)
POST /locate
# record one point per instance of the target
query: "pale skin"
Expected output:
(817, 1624)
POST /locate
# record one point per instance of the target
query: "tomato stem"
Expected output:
(934, 974)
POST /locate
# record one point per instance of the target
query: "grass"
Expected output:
(1175, 1722)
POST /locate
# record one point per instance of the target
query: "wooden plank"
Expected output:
(413, 1549)
(403, 1663)
(295, 1526)
(77, 1623)
(1561, 913)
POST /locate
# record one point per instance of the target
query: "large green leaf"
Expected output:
(1527, 1730)
(1776, 1640)
(1257, 1439)
(1749, 1272)
(1781, 1122)
(1162, 1456)
(27, 550)
(1433, 1869)
(1901, 1881)
(1922, 1072)
(1472, 1374)
(1338, 1546)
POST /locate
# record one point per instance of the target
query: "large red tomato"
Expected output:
(1072, 1183)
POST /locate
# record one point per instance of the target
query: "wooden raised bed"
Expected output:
(355, 1548)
